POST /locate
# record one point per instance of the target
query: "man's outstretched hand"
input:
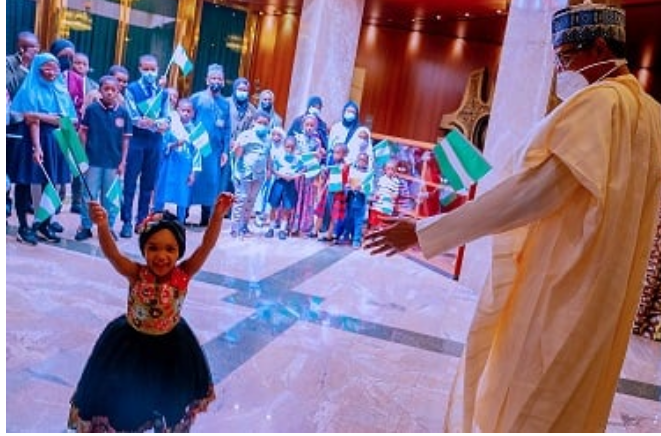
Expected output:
(398, 235)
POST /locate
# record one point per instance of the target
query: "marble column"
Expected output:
(325, 56)
(521, 98)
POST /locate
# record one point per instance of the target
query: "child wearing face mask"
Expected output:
(249, 156)
(262, 206)
(180, 161)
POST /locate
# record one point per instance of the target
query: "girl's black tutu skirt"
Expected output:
(135, 382)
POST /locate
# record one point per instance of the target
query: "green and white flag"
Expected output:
(335, 178)
(50, 201)
(461, 163)
(311, 164)
(180, 58)
(381, 153)
(73, 150)
(200, 140)
(368, 184)
(114, 194)
(385, 205)
(150, 107)
(447, 195)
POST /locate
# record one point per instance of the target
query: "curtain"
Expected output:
(221, 41)
(98, 44)
(21, 16)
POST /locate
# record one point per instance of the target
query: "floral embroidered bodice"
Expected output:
(154, 307)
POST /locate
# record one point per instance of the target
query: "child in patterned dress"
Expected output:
(147, 370)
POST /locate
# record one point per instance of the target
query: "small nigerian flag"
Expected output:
(200, 140)
(73, 150)
(447, 195)
(368, 183)
(385, 205)
(151, 107)
(114, 194)
(50, 201)
(382, 153)
(335, 178)
(180, 58)
(311, 164)
(461, 163)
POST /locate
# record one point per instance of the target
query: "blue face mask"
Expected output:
(242, 95)
(261, 130)
(149, 76)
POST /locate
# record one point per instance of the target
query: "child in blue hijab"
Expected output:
(40, 103)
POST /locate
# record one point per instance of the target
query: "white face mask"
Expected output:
(569, 82)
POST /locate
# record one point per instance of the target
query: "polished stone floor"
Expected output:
(301, 336)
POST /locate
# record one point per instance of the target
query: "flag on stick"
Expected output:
(385, 205)
(149, 108)
(114, 194)
(381, 153)
(368, 183)
(311, 164)
(461, 163)
(335, 178)
(180, 58)
(50, 201)
(200, 140)
(73, 150)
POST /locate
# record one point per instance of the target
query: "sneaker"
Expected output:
(282, 235)
(269, 233)
(126, 231)
(45, 234)
(83, 234)
(56, 227)
(26, 235)
(312, 234)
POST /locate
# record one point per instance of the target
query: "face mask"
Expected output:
(261, 130)
(313, 110)
(266, 106)
(215, 88)
(242, 95)
(568, 83)
(65, 62)
(349, 116)
(149, 76)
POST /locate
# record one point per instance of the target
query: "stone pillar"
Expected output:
(325, 56)
(521, 98)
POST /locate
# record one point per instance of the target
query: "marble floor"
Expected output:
(301, 336)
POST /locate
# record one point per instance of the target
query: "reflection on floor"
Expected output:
(302, 336)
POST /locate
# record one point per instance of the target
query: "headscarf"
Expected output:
(353, 125)
(158, 221)
(39, 95)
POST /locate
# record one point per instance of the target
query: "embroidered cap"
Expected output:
(586, 22)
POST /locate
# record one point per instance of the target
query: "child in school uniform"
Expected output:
(286, 167)
(179, 162)
(105, 131)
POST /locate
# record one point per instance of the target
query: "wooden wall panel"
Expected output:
(273, 57)
(412, 79)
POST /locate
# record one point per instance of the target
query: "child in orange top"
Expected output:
(147, 369)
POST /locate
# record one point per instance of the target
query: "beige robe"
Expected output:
(551, 329)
